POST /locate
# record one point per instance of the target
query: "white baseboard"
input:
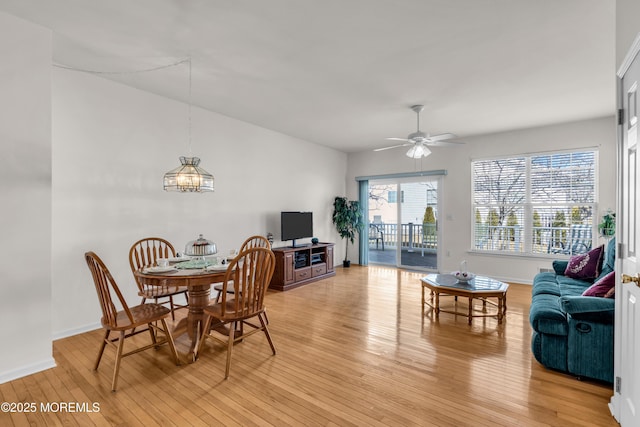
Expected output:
(27, 370)
(75, 331)
(513, 280)
(49, 362)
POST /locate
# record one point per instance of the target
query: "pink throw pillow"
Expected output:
(585, 266)
(603, 287)
(611, 293)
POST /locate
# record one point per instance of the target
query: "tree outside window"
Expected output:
(534, 204)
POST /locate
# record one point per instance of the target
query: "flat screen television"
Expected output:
(296, 225)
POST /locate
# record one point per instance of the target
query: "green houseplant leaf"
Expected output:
(347, 217)
(608, 225)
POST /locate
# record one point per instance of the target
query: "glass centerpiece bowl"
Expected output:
(199, 249)
(463, 275)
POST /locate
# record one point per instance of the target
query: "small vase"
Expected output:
(463, 267)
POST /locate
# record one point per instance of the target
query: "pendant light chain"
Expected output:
(190, 151)
(189, 177)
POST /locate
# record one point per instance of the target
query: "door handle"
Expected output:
(627, 279)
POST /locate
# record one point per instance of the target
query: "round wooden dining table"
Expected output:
(187, 330)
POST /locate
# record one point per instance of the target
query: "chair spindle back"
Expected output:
(145, 252)
(105, 285)
(255, 242)
(251, 273)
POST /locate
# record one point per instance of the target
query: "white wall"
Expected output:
(113, 144)
(25, 217)
(627, 27)
(456, 186)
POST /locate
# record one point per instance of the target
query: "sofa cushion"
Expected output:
(545, 283)
(545, 287)
(602, 286)
(586, 266)
(609, 261)
(569, 286)
(573, 290)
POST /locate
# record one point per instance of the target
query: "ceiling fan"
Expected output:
(419, 140)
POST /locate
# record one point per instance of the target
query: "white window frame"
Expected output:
(528, 205)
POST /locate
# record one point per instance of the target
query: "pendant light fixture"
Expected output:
(189, 177)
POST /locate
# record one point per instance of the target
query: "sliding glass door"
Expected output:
(418, 224)
(383, 220)
(403, 222)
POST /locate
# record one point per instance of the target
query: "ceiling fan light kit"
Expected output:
(419, 140)
(418, 151)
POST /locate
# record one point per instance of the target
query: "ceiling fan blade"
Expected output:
(443, 143)
(398, 139)
(440, 137)
(393, 146)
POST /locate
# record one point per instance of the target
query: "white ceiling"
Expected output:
(343, 73)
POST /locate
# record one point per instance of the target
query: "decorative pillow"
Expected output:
(585, 266)
(602, 287)
(611, 293)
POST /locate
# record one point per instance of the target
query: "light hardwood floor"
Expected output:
(354, 349)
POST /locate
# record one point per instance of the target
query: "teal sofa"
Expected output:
(573, 333)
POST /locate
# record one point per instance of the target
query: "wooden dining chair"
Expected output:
(251, 242)
(144, 253)
(126, 319)
(249, 274)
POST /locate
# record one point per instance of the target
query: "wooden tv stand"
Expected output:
(301, 265)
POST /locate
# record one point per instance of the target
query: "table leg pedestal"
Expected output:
(188, 330)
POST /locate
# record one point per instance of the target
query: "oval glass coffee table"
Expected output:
(480, 287)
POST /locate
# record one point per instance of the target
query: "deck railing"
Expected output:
(568, 240)
(412, 236)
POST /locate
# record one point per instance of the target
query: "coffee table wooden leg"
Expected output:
(470, 309)
(500, 308)
(437, 304)
(423, 299)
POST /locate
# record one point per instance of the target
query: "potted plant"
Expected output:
(607, 227)
(347, 217)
